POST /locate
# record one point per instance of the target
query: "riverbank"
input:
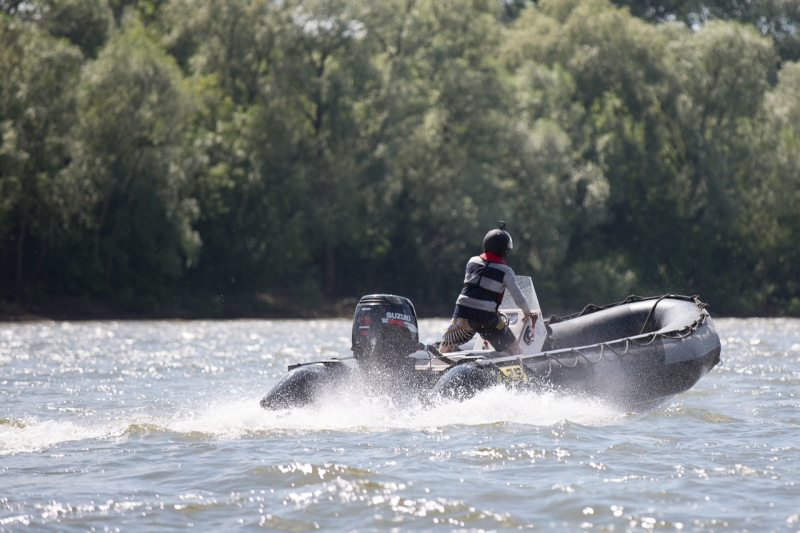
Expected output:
(221, 307)
(218, 307)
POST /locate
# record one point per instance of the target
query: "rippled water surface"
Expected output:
(142, 426)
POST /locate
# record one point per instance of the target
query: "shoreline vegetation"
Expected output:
(232, 307)
(217, 308)
(233, 158)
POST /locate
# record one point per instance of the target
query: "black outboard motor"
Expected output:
(384, 334)
(385, 331)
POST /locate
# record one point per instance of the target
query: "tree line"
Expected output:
(253, 157)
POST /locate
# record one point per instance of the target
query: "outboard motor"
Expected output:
(384, 332)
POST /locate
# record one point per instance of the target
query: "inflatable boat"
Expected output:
(634, 354)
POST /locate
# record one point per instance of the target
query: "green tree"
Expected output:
(439, 145)
(134, 113)
(779, 19)
(600, 75)
(86, 23)
(269, 120)
(233, 40)
(722, 72)
(37, 117)
(665, 115)
(769, 221)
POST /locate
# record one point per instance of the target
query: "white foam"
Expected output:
(349, 410)
(32, 435)
(354, 411)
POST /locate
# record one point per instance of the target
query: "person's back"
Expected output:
(487, 277)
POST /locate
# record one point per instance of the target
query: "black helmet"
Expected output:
(498, 241)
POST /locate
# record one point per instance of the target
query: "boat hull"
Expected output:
(303, 385)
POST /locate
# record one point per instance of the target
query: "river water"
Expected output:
(143, 426)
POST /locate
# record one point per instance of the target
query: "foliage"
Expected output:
(181, 154)
(779, 19)
(142, 216)
(38, 110)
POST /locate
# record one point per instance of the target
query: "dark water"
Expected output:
(146, 426)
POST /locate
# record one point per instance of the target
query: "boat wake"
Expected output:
(353, 412)
(348, 411)
(34, 435)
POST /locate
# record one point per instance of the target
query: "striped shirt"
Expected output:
(487, 277)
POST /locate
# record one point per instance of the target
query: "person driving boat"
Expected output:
(487, 278)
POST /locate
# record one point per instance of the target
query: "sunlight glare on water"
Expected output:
(152, 425)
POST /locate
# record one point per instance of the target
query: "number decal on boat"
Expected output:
(512, 374)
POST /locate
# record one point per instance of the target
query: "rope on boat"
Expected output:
(646, 320)
(573, 365)
(627, 347)
(577, 351)
(648, 343)
(549, 367)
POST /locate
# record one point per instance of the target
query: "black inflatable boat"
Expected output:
(634, 354)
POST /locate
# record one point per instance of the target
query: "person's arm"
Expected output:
(510, 281)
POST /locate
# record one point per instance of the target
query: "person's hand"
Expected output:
(533, 317)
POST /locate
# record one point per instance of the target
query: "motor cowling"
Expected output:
(385, 331)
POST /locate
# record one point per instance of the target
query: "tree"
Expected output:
(38, 113)
(780, 19)
(86, 23)
(134, 112)
(599, 75)
(723, 72)
(769, 221)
